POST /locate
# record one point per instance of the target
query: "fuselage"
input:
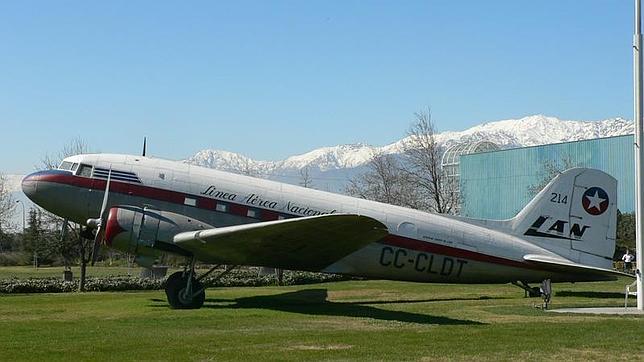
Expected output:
(421, 246)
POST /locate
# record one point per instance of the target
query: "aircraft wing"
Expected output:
(307, 243)
(561, 265)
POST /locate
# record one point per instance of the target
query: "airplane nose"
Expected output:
(30, 185)
(56, 192)
(41, 188)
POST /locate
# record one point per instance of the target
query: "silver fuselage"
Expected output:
(421, 246)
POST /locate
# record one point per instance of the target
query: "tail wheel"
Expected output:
(178, 295)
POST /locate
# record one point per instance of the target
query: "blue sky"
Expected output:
(270, 79)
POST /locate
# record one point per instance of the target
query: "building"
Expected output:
(451, 160)
(451, 157)
(498, 184)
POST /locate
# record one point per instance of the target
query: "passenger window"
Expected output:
(253, 213)
(85, 170)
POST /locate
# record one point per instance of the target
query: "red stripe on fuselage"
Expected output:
(266, 215)
(419, 245)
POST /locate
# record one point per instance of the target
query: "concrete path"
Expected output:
(603, 310)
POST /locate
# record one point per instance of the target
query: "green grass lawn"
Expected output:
(357, 320)
(23, 272)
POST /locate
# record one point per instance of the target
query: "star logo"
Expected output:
(595, 201)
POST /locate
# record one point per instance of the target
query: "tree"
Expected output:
(417, 181)
(7, 204)
(384, 182)
(305, 178)
(72, 243)
(39, 242)
(626, 230)
(550, 169)
(422, 167)
(6, 242)
(76, 146)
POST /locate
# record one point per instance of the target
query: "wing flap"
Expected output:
(562, 265)
(308, 243)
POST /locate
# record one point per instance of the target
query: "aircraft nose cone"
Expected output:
(30, 185)
(56, 192)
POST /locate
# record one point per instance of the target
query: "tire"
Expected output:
(174, 288)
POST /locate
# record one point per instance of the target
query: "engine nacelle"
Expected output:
(144, 231)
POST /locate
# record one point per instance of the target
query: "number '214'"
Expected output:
(558, 198)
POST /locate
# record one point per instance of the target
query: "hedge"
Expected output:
(236, 278)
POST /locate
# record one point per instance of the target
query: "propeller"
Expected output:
(99, 223)
(144, 144)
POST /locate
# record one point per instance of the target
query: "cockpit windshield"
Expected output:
(68, 166)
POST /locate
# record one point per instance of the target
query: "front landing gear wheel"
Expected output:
(178, 295)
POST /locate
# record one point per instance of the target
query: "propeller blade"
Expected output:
(144, 144)
(98, 239)
(106, 194)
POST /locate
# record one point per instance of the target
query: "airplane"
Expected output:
(148, 206)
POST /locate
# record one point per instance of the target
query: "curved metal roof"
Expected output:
(453, 153)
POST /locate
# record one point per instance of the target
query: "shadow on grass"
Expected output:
(412, 301)
(570, 293)
(314, 302)
(372, 302)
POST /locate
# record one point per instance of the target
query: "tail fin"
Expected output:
(574, 216)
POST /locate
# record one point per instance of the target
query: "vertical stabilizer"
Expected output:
(575, 216)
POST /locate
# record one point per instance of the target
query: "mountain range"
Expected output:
(330, 168)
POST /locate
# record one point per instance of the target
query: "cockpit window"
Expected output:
(65, 165)
(84, 170)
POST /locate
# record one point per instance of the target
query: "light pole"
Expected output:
(23, 216)
(639, 151)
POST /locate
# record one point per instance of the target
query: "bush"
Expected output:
(54, 285)
(14, 258)
(236, 278)
(31, 285)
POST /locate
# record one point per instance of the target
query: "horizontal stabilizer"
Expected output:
(561, 265)
(307, 243)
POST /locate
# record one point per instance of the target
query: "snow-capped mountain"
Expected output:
(330, 168)
(539, 130)
(333, 166)
(324, 159)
